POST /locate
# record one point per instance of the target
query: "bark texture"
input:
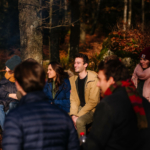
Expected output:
(30, 21)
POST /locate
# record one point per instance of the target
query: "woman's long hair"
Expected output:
(60, 74)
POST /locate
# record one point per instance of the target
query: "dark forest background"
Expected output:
(58, 29)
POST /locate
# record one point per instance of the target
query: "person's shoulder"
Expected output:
(73, 78)
(66, 80)
(92, 73)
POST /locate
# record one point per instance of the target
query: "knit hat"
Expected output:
(145, 53)
(13, 62)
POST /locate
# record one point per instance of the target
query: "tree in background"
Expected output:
(143, 15)
(30, 21)
(75, 29)
(125, 15)
(129, 14)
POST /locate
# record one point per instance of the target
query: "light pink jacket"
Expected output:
(141, 74)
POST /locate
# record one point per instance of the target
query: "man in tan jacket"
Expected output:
(85, 95)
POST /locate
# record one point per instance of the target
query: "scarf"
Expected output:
(135, 100)
(141, 74)
(10, 77)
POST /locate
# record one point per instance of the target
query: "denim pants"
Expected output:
(2, 116)
(12, 105)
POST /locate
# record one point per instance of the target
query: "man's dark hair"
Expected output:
(83, 56)
(30, 75)
(114, 68)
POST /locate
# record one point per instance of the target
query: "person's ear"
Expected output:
(111, 80)
(85, 65)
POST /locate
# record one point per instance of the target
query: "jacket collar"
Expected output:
(33, 97)
(89, 76)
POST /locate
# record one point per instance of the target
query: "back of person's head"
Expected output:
(83, 56)
(30, 75)
(113, 67)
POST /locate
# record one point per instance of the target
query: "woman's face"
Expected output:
(51, 73)
(145, 63)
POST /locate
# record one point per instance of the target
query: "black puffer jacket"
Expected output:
(6, 87)
(38, 125)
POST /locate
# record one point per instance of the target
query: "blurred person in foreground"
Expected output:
(36, 123)
(120, 117)
(141, 75)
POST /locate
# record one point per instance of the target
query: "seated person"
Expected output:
(57, 87)
(7, 87)
(85, 95)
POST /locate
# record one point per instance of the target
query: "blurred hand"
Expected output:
(13, 95)
(74, 119)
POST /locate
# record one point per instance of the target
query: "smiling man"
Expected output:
(120, 114)
(84, 94)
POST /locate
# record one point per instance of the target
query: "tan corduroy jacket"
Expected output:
(92, 95)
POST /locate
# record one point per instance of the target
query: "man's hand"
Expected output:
(12, 95)
(74, 119)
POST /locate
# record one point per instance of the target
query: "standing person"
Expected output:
(35, 123)
(85, 95)
(120, 114)
(141, 75)
(57, 87)
(7, 87)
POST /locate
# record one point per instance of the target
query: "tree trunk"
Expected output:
(130, 14)
(31, 38)
(125, 15)
(66, 11)
(54, 31)
(143, 15)
(75, 29)
(82, 22)
(96, 17)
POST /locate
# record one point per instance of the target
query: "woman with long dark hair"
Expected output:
(141, 75)
(58, 87)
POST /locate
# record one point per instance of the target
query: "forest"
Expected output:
(48, 30)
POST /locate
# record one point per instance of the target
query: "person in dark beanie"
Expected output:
(141, 75)
(36, 123)
(7, 87)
